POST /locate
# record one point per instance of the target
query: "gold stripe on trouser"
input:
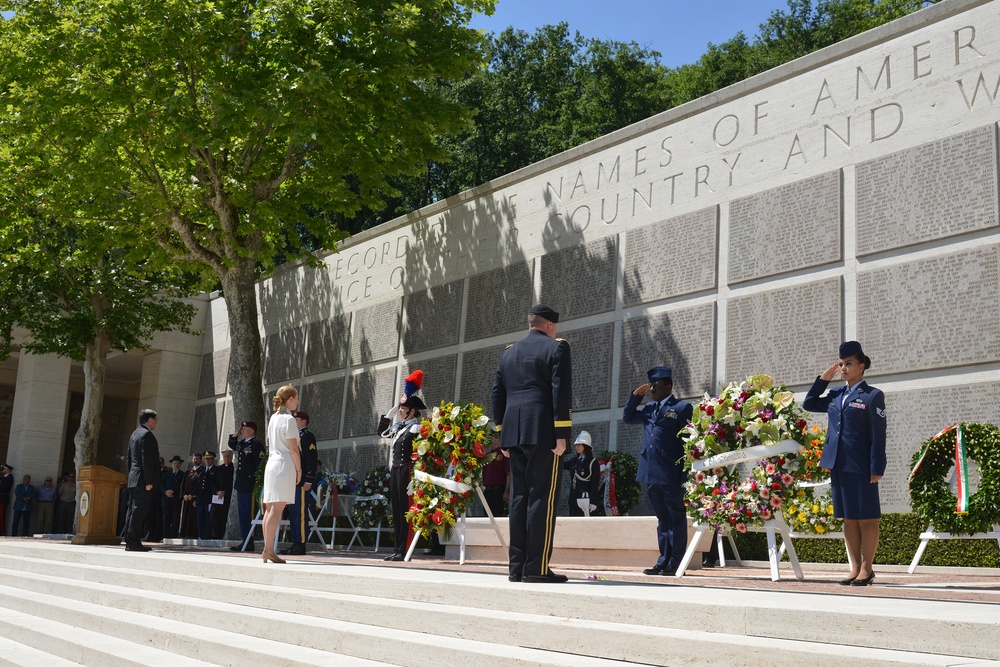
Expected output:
(550, 516)
(302, 513)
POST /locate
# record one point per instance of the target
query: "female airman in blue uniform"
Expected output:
(855, 454)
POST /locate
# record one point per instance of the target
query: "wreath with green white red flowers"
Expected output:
(931, 498)
(453, 446)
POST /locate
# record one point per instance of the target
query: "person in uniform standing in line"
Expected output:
(24, 499)
(143, 478)
(402, 435)
(207, 488)
(661, 466)
(249, 454)
(854, 453)
(170, 501)
(532, 397)
(224, 486)
(6, 486)
(189, 504)
(585, 476)
(298, 514)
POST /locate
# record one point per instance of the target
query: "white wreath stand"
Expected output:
(455, 487)
(771, 527)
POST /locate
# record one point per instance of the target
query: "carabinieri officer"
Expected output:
(402, 434)
(532, 394)
(855, 454)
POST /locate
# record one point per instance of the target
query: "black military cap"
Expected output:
(850, 349)
(413, 402)
(208, 455)
(542, 310)
(176, 458)
(7, 466)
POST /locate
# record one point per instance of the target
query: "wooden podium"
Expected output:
(97, 509)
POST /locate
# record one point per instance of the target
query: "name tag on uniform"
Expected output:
(857, 404)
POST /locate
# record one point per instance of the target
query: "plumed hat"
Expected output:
(413, 382)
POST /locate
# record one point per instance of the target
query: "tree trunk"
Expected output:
(239, 289)
(94, 366)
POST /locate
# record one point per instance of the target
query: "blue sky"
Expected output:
(680, 30)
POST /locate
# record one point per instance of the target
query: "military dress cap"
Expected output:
(849, 349)
(412, 402)
(542, 310)
(208, 455)
(7, 466)
(583, 439)
(301, 414)
(177, 458)
(249, 424)
(659, 373)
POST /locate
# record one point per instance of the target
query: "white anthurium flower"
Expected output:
(730, 418)
(455, 410)
(753, 427)
(482, 421)
(422, 448)
(433, 503)
(449, 436)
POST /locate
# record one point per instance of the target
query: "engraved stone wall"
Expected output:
(940, 189)
(327, 344)
(323, 400)
(682, 339)
(591, 351)
(580, 281)
(369, 395)
(658, 267)
(283, 356)
(359, 459)
(791, 227)
(479, 369)
(376, 332)
(207, 422)
(914, 416)
(792, 334)
(931, 313)
(433, 318)
(498, 302)
(439, 379)
(214, 373)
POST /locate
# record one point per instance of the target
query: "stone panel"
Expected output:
(479, 369)
(791, 227)
(376, 332)
(359, 459)
(283, 356)
(914, 416)
(580, 281)
(933, 191)
(591, 350)
(792, 334)
(369, 395)
(214, 373)
(433, 318)
(658, 269)
(323, 401)
(499, 301)
(682, 339)
(932, 313)
(207, 422)
(327, 344)
(439, 379)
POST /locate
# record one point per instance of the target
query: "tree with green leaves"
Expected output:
(222, 126)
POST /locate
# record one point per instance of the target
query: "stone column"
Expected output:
(38, 419)
(170, 386)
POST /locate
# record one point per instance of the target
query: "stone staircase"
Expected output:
(62, 604)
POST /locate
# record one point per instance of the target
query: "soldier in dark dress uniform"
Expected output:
(401, 435)
(170, 503)
(532, 394)
(249, 454)
(203, 496)
(189, 502)
(298, 514)
(6, 486)
(224, 474)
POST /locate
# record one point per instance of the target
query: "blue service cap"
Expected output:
(659, 373)
(542, 310)
(850, 349)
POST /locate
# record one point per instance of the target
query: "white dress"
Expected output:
(279, 473)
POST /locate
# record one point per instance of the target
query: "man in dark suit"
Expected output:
(661, 465)
(249, 454)
(6, 486)
(532, 394)
(170, 503)
(298, 512)
(207, 487)
(143, 465)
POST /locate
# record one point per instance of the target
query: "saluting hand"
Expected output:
(641, 389)
(830, 372)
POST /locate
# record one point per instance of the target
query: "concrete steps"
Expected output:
(220, 609)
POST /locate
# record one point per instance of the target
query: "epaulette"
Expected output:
(562, 340)
(509, 346)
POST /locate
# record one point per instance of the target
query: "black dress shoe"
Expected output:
(297, 549)
(655, 570)
(394, 557)
(867, 581)
(709, 563)
(550, 578)
(138, 548)
(668, 571)
(514, 577)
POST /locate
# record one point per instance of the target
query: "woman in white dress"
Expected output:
(283, 469)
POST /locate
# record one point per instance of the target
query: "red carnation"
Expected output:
(447, 427)
(458, 477)
(716, 492)
(776, 486)
(468, 427)
(710, 410)
(479, 450)
(801, 423)
(749, 512)
(732, 520)
(438, 517)
(753, 486)
(781, 460)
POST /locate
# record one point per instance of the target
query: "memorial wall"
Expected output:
(849, 194)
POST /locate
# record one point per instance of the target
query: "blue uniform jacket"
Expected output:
(660, 461)
(533, 392)
(855, 439)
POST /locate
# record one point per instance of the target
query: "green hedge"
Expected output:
(898, 542)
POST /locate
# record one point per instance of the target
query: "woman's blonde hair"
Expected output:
(282, 395)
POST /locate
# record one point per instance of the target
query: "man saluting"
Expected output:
(532, 394)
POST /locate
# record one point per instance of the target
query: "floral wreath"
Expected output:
(452, 447)
(746, 414)
(369, 512)
(959, 512)
(810, 508)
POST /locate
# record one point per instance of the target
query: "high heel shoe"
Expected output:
(848, 582)
(272, 557)
(867, 581)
